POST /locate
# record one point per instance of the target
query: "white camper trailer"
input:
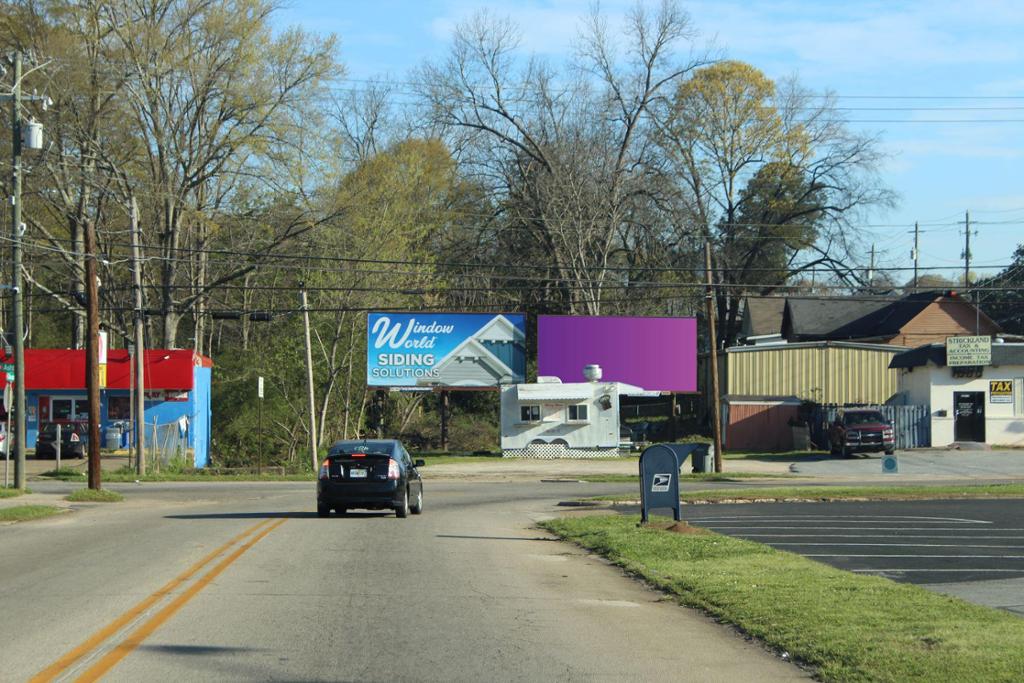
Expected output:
(551, 419)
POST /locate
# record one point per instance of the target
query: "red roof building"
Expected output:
(65, 369)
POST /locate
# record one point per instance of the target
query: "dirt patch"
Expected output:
(679, 528)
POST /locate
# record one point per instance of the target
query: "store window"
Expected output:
(62, 409)
(118, 408)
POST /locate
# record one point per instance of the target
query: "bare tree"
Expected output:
(772, 176)
(212, 90)
(566, 153)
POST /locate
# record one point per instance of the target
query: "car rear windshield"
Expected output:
(864, 418)
(365, 450)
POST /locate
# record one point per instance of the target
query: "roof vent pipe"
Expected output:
(592, 373)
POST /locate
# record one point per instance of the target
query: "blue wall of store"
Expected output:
(197, 409)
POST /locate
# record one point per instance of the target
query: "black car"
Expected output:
(73, 436)
(370, 474)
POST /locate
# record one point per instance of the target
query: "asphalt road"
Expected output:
(240, 581)
(973, 549)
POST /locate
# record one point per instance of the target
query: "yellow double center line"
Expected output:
(135, 638)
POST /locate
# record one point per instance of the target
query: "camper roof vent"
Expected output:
(592, 373)
(548, 379)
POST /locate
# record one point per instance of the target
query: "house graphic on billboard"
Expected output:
(493, 355)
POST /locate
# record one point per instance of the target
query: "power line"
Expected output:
(508, 305)
(234, 253)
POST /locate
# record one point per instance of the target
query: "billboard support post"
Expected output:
(380, 405)
(716, 400)
(443, 410)
(673, 420)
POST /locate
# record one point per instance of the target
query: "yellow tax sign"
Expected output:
(1000, 391)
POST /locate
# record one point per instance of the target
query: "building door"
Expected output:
(969, 416)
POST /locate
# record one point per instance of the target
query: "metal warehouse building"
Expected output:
(765, 385)
(826, 372)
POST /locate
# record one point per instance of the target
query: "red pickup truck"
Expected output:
(861, 430)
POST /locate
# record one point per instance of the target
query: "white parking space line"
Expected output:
(786, 518)
(903, 545)
(895, 536)
(841, 528)
(935, 557)
(939, 571)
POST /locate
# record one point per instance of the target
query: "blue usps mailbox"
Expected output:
(659, 477)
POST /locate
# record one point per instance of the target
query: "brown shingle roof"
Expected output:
(763, 316)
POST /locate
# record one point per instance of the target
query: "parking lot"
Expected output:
(972, 549)
(933, 464)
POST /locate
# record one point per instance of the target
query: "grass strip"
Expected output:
(64, 474)
(683, 478)
(198, 475)
(7, 492)
(94, 496)
(23, 513)
(788, 494)
(849, 627)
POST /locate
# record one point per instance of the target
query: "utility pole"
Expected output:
(140, 345)
(871, 271)
(17, 301)
(92, 368)
(915, 253)
(713, 358)
(309, 380)
(967, 249)
(32, 138)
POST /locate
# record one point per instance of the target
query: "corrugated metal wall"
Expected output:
(823, 374)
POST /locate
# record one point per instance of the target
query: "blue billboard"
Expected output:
(451, 350)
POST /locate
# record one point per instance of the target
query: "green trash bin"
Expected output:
(703, 459)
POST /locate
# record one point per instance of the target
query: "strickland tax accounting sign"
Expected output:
(424, 350)
(968, 351)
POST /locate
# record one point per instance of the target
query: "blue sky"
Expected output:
(938, 80)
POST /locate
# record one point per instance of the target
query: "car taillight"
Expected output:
(324, 470)
(393, 472)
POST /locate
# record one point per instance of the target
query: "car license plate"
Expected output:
(354, 473)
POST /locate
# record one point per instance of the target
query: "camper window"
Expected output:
(578, 413)
(529, 413)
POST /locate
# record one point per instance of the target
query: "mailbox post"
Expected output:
(659, 476)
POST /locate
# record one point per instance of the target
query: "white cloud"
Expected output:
(832, 39)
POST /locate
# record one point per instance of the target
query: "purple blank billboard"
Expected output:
(657, 354)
